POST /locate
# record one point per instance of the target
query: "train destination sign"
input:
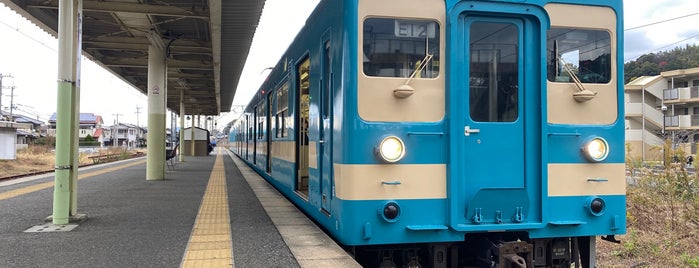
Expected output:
(415, 29)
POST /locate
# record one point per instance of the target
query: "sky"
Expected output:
(29, 55)
(661, 36)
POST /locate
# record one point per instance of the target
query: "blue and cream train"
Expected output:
(445, 133)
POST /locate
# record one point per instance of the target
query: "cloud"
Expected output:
(274, 33)
(280, 30)
(666, 24)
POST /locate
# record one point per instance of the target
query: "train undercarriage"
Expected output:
(483, 250)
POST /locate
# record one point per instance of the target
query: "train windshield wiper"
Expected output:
(582, 94)
(420, 67)
(572, 75)
(405, 90)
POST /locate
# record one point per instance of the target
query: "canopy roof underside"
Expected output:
(208, 42)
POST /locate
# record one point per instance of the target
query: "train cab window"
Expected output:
(579, 53)
(397, 48)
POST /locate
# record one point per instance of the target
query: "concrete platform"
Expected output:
(132, 222)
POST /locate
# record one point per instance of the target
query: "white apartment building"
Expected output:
(660, 107)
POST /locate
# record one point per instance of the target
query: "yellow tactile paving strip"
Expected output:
(45, 185)
(210, 243)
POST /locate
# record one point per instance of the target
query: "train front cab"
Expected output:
(533, 162)
(524, 162)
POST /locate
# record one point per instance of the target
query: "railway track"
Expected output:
(34, 173)
(11, 177)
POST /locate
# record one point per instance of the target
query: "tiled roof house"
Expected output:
(90, 124)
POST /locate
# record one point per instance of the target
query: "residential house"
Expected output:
(90, 124)
(128, 135)
(30, 129)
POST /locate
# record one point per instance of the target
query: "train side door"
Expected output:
(251, 134)
(495, 177)
(268, 132)
(248, 135)
(325, 128)
(256, 132)
(303, 105)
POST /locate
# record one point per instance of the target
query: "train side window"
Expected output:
(325, 106)
(582, 53)
(250, 129)
(397, 47)
(304, 83)
(271, 124)
(260, 122)
(282, 110)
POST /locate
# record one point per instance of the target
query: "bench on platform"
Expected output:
(96, 159)
(170, 157)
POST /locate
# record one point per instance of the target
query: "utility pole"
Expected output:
(138, 124)
(138, 116)
(1, 77)
(12, 103)
(115, 134)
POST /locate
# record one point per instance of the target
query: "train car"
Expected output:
(236, 138)
(446, 133)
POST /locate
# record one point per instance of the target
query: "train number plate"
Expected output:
(415, 29)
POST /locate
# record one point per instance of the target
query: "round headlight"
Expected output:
(391, 211)
(596, 149)
(596, 206)
(391, 149)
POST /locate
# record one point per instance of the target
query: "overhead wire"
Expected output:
(659, 22)
(17, 29)
(129, 89)
(675, 43)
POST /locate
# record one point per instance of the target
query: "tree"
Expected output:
(655, 63)
(227, 129)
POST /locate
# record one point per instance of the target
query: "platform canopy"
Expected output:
(208, 43)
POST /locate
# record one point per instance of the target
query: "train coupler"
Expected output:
(515, 254)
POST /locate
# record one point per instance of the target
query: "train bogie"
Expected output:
(449, 132)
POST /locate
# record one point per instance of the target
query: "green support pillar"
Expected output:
(191, 138)
(62, 180)
(75, 107)
(181, 155)
(157, 98)
(65, 180)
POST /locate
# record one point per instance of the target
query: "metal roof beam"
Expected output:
(143, 63)
(181, 43)
(146, 9)
(187, 76)
(140, 48)
(173, 75)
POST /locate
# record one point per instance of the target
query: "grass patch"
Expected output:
(38, 158)
(662, 218)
